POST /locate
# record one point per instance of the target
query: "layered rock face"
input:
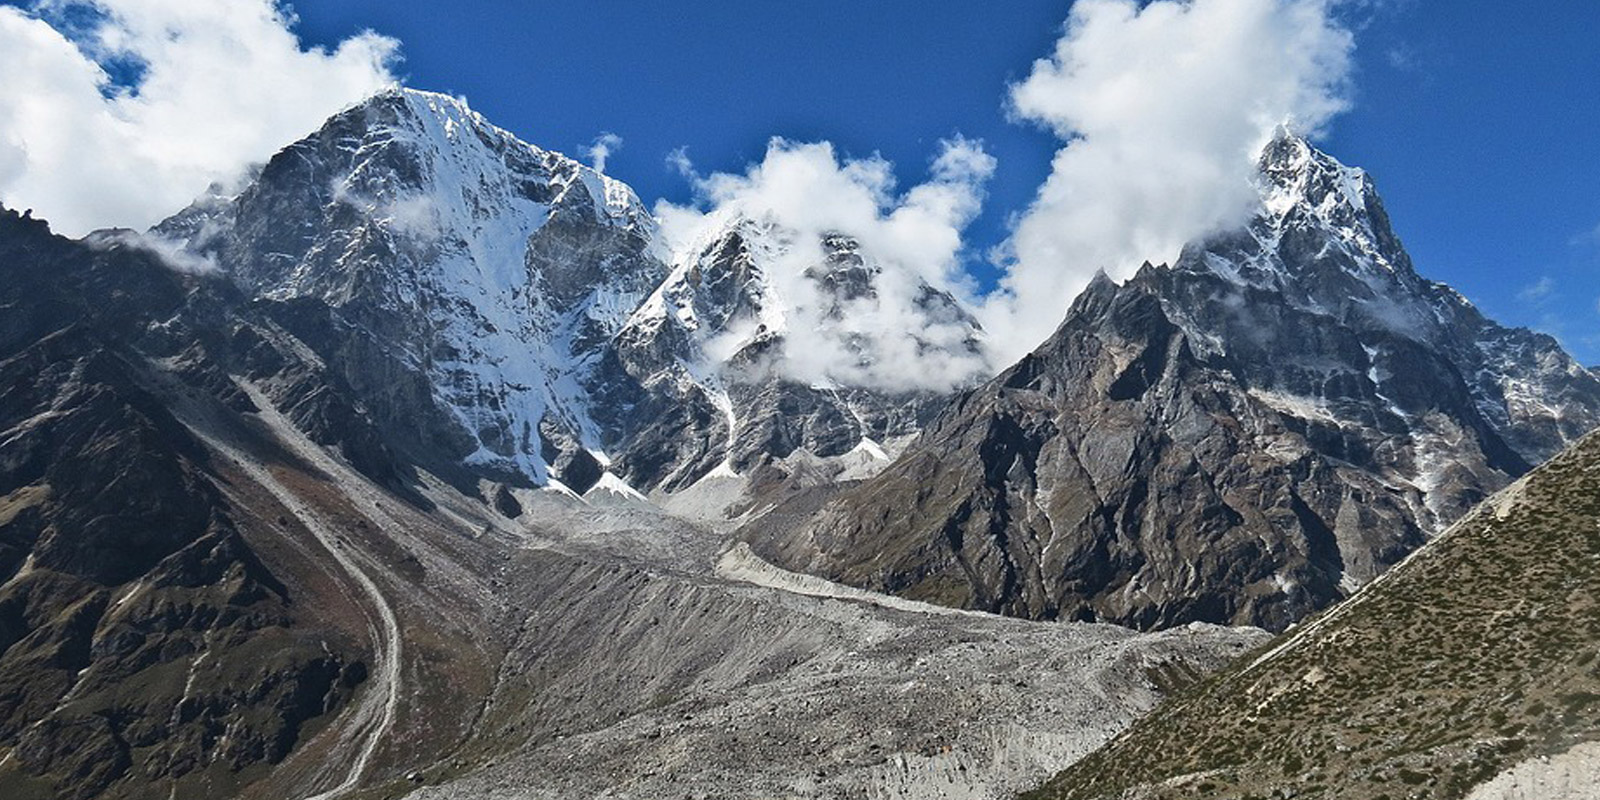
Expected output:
(510, 314)
(1243, 437)
(144, 642)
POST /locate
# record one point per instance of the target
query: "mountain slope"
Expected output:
(1245, 436)
(146, 638)
(217, 580)
(1475, 656)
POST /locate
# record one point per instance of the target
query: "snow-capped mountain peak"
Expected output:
(1296, 176)
(513, 314)
(468, 149)
(496, 269)
(1321, 311)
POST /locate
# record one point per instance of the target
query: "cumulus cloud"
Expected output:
(892, 339)
(205, 89)
(1163, 108)
(601, 149)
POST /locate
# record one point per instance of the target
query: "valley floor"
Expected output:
(613, 651)
(747, 681)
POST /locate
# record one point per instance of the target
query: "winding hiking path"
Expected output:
(374, 716)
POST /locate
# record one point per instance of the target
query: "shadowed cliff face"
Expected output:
(143, 642)
(1113, 476)
(1245, 436)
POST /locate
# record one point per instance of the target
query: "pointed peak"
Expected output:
(430, 114)
(1285, 136)
(1295, 174)
(1286, 151)
(1101, 281)
(417, 100)
(1289, 156)
(439, 104)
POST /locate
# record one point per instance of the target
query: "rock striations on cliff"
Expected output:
(1242, 437)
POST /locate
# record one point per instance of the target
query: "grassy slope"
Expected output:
(1479, 652)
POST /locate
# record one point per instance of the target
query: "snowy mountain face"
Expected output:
(508, 313)
(488, 269)
(723, 306)
(1242, 437)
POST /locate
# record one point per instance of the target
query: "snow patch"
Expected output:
(611, 484)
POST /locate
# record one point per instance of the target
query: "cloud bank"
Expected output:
(892, 340)
(206, 88)
(1163, 109)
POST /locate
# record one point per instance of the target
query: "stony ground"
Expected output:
(653, 662)
(1573, 775)
(607, 649)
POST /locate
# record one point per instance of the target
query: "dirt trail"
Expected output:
(740, 563)
(372, 718)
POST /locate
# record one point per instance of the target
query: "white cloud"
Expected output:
(914, 236)
(222, 84)
(1163, 108)
(678, 161)
(173, 254)
(601, 149)
(415, 215)
(1538, 291)
(1583, 239)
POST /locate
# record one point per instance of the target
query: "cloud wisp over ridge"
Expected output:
(601, 148)
(1163, 109)
(205, 89)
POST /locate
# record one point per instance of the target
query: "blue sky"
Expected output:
(1479, 120)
